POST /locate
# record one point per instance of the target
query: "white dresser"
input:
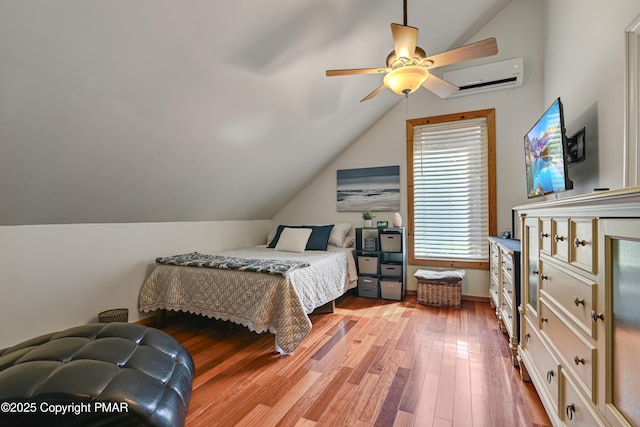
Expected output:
(580, 307)
(504, 288)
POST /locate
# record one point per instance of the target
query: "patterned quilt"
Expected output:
(276, 303)
(196, 259)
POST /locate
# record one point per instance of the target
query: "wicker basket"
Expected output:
(114, 315)
(440, 292)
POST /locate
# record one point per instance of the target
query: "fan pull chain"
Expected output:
(406, 104)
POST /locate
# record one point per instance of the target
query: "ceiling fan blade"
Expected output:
(440, 87)
(404, 40)
(351, 71)
(374, 93)
(475, 50)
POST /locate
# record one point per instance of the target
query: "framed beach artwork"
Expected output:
(376, 189)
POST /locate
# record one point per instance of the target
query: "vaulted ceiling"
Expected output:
(164, 110)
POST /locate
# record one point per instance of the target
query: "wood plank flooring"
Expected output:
(371, 363)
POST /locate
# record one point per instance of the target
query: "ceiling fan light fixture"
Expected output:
(405, 80)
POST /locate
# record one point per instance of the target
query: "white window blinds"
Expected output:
(450, 194)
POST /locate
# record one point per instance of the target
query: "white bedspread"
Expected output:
(262, 302)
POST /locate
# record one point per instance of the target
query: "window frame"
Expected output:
(632, 105)
(489, 115)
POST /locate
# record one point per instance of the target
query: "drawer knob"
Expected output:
(535, 272)
(544, 320)
(578, 360)
(570, 410)
(577, 301)
(579, 243)
(527, 336)
(543, 277)
(509, 291)
(595, 316)
(543, 235)
(559, 238)
(549, 376)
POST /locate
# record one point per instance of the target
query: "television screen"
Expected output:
(544, 150)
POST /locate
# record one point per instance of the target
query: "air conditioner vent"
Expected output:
(485, 84)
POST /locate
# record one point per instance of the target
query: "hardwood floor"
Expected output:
(371, 363)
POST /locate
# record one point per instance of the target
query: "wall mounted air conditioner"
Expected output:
(487, 77)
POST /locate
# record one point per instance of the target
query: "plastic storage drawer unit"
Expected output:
(368, 287)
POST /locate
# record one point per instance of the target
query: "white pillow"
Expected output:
(271, 235)
(348, 242)
(293, 239)
(339, 233)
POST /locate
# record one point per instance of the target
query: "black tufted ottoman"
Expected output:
(116, 374)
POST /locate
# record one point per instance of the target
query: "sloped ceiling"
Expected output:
(158, 110)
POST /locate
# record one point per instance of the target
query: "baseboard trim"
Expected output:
(474, 298)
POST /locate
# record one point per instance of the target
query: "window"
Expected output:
(451, 180)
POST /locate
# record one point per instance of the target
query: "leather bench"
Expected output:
(97, 374)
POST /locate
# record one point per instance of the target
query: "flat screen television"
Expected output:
(545, 154)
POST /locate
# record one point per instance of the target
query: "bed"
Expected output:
(276, 295)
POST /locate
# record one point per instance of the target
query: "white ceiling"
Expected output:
(166, 110)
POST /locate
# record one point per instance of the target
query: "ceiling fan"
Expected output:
(408, 66)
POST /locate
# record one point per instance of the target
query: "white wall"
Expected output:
(518, 29)
(585, 65)
(58, 276)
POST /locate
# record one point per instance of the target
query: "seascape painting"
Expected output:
(376, 189)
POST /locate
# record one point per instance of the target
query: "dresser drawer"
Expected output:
(493, 275)
(575, 294)
(493, 248)
(545, 235)
(507, 314)
(493, 292)
(507, 266)
(495, 269)
(493, 283)
(560, 238)
(579, 356)
(544, 363)
(584, 244)
(508, 290)
(494, 263)
(575, 411)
